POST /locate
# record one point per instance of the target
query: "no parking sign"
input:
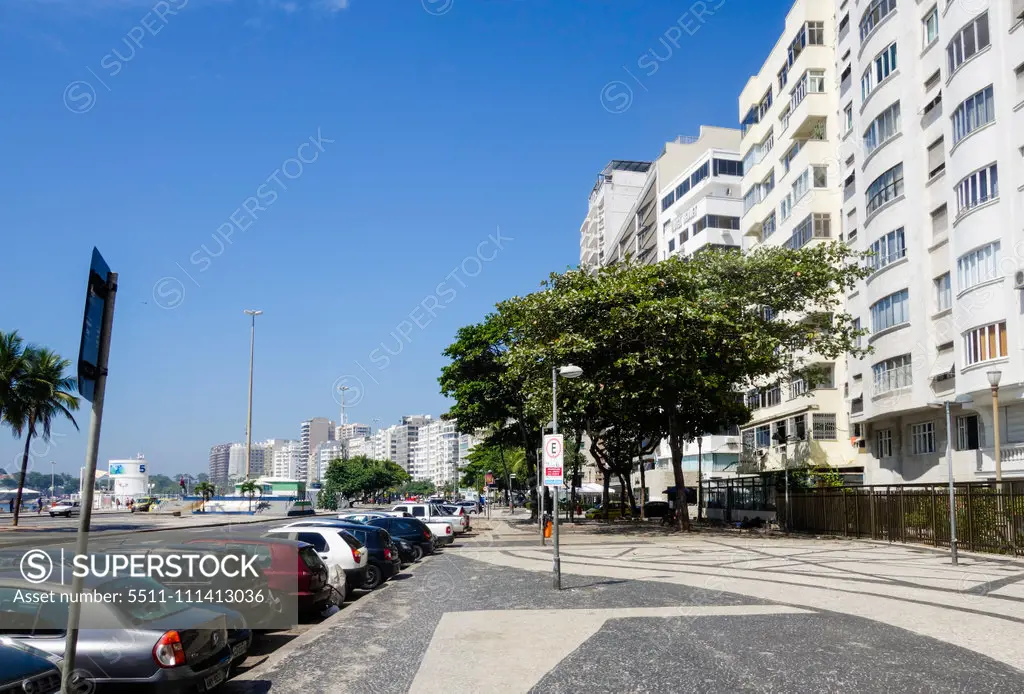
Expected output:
(553, 460)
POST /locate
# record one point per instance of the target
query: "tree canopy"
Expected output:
(358, 477)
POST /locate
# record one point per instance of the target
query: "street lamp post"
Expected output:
(567, 372)
(344, 451)
(993, 380)
(53, 476)
(947, 405)
(248, 425)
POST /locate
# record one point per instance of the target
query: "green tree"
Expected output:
(41, 394)
(250, 489)
(205, 490)
(418, 488)
(12, 368)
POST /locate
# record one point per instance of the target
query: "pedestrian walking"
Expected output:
(12, 505)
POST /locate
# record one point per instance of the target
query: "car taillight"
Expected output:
(387, 554)
(426, 534)
(168, 651)
(355, 554)
(447, 530)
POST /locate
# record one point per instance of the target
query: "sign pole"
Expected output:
(556, 561)
(89, 479)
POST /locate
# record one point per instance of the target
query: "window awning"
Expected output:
(945, 368)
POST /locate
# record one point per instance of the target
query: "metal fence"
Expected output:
(989, 516)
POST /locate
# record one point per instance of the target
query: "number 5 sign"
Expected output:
(553, 460)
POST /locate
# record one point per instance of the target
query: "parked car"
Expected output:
(469, 506)
(406, 550)
(459, 512)
(656, 509)
(145, 504)
(158, 645)
(614, 512)
(293, 569)
(66, 509)
(410, 529)
(383, 560)
(432, 513)
(27, 669)
(345, 556)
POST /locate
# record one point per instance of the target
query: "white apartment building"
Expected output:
(312, 433)
(931, 104)
(436, 454)
(791, 197)
(618, 186)
(344, 432)
(236, 461)
(698, 192)
(287, 459)
(328, 451)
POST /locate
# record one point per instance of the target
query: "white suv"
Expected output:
(345, 556)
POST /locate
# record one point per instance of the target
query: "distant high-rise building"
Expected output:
(236, 461)
(313, 432)
(328, 451)
(436, 453)
(287, 458)
(344, 432)
(618, 187)
(220, 456)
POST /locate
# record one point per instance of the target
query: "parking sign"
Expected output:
(553, 460)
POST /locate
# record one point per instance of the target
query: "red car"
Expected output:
(293, 569)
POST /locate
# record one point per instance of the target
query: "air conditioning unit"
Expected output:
(1018, 279)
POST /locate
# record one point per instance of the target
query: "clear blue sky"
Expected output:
(449, 119)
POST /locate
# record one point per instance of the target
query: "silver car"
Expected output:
(154, 646)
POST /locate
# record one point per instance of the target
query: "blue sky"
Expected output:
(359, 157)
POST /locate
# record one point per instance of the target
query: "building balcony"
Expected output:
(808, 115)
(1011, 460)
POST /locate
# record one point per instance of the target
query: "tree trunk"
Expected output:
(606, 497)
(700, 476)
(675, 442)
(643, 488)
(578, 446)
(632, 497)
(24, 469)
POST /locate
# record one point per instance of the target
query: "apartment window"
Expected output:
(890, 311)
(751, 198)
(763, 436)
(798, 426)
(816, 81)
(980, 265)
(977, 110)
(815, 33)
(967, 438)
(772, 396)
(791, 153)
(768, 226)
(813, 226)
(671, 245)
(682, 189)
(666, 202)
(801, 185)
(892, 374)
(886, 187)
(819, 176)
(823, 426)
(877, 11)
(848, 118)
(886, 126)
(700, 174)
(727, 167)
(716, 222)
(936, 158)
(779, 435)
(883, 66)
(940, 221)
(786, 207)
(932, 81)
(888, 249)
(985, 343)
(922, 438)
(977, 188)
(930, 24)
(883, 443)
(797, 387)
(943, 293)
(856, 329)
(967, 42)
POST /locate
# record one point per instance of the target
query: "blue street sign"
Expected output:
(92, 324)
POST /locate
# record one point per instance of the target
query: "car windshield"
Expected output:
(140, 612)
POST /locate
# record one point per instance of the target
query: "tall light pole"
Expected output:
(566, 372)
(993, 380)
(343, 390)
(53, 476)
(947, 405)
(248, 426)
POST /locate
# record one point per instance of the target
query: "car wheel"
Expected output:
(374, 577)
(417, 553)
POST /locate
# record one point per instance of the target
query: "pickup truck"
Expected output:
(430, 513)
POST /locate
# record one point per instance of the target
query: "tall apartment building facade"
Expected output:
(344, 432)
(236, 461)
(220, 457)
(791, 197)
(287, 460)
(312, 433)
(326, 452)
(617, 188)
(932, 124)
(436, 454)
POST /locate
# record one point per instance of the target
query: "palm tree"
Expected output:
(12, 366)
(41, 394)
(206, 490)
(250, 487)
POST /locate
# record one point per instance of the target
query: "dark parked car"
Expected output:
(406, 550)
(293, 569)
(26, 669)
(656, 509)
(384, 561)
(412, 530)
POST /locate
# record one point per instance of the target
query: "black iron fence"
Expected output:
(989, 516)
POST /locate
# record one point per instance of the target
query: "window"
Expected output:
(814, 226)
(797, 387)
(727, 167)
(815, 33)
(943, 293)
(820, 176)
(933, 81)
(316, 539)
(967, 438)
(716, 222)
(883, 443)
(790, 155)
(875, 13)
(671, 245)
(977, 188)
(976, 110)
(772, 396)
(786, 207)
(801, 185)
(886, 126)
(931, 26)
(816, 81)
(940, 221)
(700, 174)
(892, 374)
(936, 158)
(890, 311)
(682, 189)
(887, 250)
(985, 343)
(763, 436)
(823, 426)
(666, 202)
(922, 438)
(980, 265)
(848, 118)
(883, 65)
(798, 425)
(886, 187)
(779, 435)
(967, 42)
(768, 226)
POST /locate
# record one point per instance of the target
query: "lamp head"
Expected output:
(570, 371)
(251, 312)
(993, 377)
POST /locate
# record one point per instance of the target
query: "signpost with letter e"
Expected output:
(553, 461)
(93, 355)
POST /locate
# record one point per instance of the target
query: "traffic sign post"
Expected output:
(93, 356)
(553, 460)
